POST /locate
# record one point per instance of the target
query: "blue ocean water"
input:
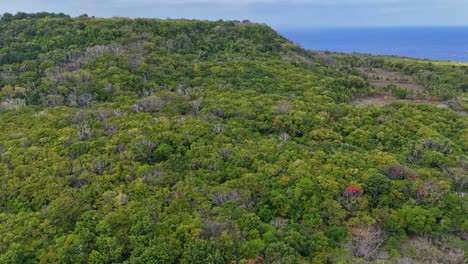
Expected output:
(436, 43)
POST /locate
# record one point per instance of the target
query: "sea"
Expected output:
(434, 43)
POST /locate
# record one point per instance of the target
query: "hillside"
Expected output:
(179, 141)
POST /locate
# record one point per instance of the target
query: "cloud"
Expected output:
(396, 3)
(231, 2)
(277, 13)
(226, 2)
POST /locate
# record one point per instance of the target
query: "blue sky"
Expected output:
(280, 14)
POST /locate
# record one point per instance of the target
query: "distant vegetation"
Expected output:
(446, 81)
(179, 141)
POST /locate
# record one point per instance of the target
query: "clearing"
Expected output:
(385, 99)
(381, 78)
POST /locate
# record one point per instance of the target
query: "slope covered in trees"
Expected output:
(176, 141)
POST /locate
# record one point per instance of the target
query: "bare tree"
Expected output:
(279, 222)
(213, 228)
(150, 177)
(84, 131)
(458, 176)
(15, 103)
(52, 100)
(218, 128)
(82, 100)
(221, 197)
(81, 116)
(285, 137)
(196, 105)
(366, 242)
(122, 199)
(283, 108)
(219, 112)
(407, 261)
(396, 172)
(101, 164)
(109, 129)
(426, 250)
(95, 51)
(224, 153)
(150, 104)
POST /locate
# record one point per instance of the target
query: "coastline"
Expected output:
(427, 43)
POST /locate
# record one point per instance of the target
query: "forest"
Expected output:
(204, 142)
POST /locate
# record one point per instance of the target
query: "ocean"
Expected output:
(435, 43)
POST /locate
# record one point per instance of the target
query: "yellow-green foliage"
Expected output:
(177, 141)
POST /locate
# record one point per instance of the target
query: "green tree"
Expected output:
(377, 185)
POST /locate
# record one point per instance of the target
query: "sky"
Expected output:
(280, 14)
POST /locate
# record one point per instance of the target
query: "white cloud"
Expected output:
(270, 2)
(236, 2)
(227, 2)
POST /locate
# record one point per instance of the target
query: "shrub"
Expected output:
(401, 93)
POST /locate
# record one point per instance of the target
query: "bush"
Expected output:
(401, 93)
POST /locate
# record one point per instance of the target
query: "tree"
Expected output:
(280, 253)
(200, 252)
(350, 197)
(416, 220)
(377, 185)
(366, 241)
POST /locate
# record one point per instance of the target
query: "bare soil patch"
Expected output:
(380, 100)
(381, 78)
(417, 93)
(383, 100)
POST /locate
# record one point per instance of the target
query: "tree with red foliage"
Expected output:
(350, 195)
(354, 189)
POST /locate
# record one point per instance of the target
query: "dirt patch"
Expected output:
(381, 78)
(423, 101)
(383, 100)
(413, 87)
(374, 73)
(417, 94)
(377, 100)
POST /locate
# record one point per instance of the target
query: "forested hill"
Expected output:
(181, 141)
